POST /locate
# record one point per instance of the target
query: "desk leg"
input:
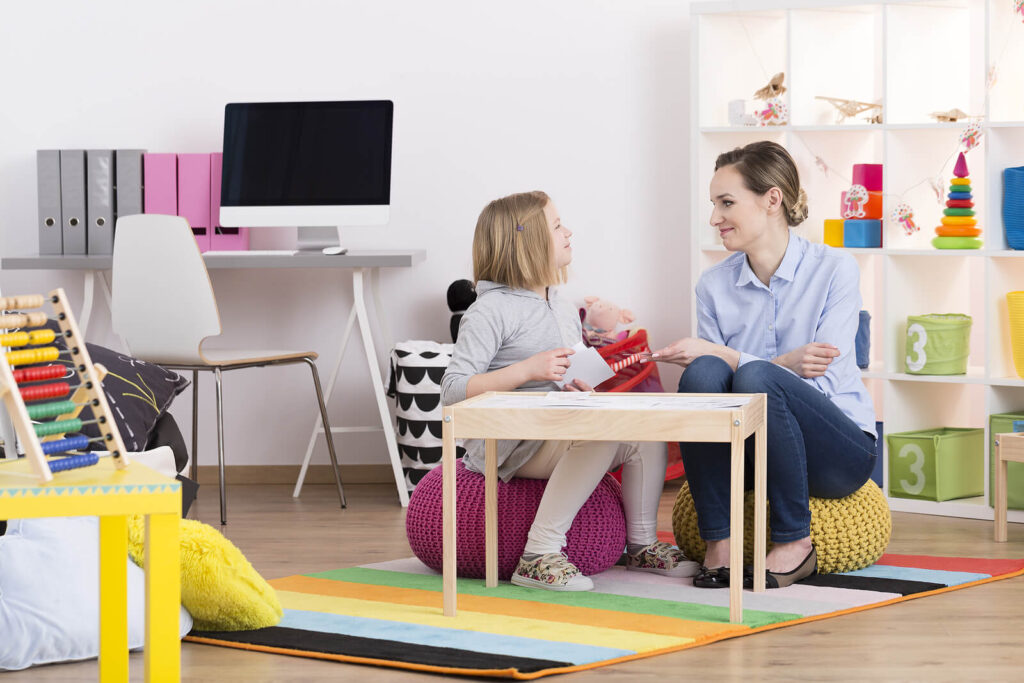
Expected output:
(448, 585)
(113, 598)
(163, 599)
(491, 513)
(736, 526)
(378, 310)
(87, 296)
(378, 385)
(327, 397)
(760, 495)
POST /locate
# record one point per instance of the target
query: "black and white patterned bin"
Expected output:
(415, 383)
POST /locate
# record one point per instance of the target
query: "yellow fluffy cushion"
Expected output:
(849, 533)
(219, 587)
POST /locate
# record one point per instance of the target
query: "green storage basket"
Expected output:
(938, 343)
(1002, 423)
(937, 464)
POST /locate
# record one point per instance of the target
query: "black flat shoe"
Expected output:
(717, 577)
(808, 567)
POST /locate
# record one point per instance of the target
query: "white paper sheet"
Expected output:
(586, 364)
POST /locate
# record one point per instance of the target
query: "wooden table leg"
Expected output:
(163, 599)
(760, 503)
(448, 590)
(736, 527)
(491, 513)
(1000, 494)
(113, 660)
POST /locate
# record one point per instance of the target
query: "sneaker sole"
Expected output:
(682, 571)
(533, 583)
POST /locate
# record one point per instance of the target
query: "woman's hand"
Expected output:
(810, 360)
(547, 366)
(684, 351)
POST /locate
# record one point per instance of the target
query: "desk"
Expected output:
(134, 490)
(618, 417)
(1009, 448)
(361, 263)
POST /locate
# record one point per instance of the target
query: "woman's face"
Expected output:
(741, 216)
(560, 235)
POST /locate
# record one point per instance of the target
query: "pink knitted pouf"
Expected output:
(595, 540)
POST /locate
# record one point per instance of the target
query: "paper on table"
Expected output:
(586, 364)
(567, 399)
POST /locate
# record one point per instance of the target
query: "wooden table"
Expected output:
(113, 495)
(1009, 448)
(607, 417)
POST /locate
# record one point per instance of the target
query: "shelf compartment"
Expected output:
(1004, 275)
(1006, 54)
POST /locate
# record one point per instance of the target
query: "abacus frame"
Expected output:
(89, 390)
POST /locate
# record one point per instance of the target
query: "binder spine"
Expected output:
(72, 196)
(51, 239)
(99, 174)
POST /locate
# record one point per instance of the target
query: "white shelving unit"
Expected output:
(915, 57)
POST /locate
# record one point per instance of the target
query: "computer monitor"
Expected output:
(316, 165)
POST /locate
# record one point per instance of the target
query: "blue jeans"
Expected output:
(814, 449)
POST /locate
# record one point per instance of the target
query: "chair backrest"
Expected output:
(162, 300)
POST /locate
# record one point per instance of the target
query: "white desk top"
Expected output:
(379, 258)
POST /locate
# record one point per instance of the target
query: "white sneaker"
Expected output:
(662, 558)
(553, 572)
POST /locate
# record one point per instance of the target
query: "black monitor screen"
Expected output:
(307, 154)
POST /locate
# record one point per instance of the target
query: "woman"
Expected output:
(778, 317)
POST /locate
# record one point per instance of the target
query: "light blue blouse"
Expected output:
(813, 296)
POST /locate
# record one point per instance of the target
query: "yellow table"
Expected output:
(729, 418)
(112, 495)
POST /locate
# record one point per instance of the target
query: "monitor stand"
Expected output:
(326, 240)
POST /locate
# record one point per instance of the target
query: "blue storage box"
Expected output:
(862, 342)
(1013, 206)
(862, 232)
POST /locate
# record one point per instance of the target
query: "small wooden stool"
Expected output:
(1009, 448)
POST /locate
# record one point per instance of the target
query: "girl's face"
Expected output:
(741, 216)
(559, 236)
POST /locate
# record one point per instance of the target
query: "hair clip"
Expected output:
(519, 228)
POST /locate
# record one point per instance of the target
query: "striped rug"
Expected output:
(389, 614)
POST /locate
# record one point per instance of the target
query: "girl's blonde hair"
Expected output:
(512, 243)
(764, 165)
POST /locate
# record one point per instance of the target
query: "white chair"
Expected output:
(162, 305)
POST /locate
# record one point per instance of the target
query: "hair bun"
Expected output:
(798, 212)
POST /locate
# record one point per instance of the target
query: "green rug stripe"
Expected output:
(605, 601)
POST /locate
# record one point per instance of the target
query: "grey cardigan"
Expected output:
(505, 326)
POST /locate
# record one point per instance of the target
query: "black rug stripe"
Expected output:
(871, 583)
(373, 648)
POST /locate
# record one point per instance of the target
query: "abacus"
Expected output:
(27, 391)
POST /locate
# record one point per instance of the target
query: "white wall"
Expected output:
(586, 100)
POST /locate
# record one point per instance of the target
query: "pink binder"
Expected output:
(221, 238)
(160, 183)
(194, 195)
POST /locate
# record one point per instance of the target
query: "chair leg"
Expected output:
(220, 444)
(327, 429)
(195, 426)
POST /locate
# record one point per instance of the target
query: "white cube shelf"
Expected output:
(915, 57)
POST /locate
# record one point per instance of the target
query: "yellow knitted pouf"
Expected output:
(849, 533)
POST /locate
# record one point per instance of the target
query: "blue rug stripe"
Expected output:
(383, 629)
(882, 571)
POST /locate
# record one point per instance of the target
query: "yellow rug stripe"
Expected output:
(469, 620)
(588, 616)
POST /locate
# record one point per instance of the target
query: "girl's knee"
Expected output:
(755, 377)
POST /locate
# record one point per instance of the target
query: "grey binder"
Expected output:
(99, 200)
(48, 173)
(72, 199)
(128, 165)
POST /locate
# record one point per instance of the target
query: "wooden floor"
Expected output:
(976, 634)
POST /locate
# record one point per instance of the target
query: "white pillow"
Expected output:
(49, 593)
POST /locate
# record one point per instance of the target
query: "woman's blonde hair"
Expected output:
(764, 165)
(512, 243)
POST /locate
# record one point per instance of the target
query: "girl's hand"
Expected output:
(577, 385)
(547, 366)
(810, 360)
(684, 351)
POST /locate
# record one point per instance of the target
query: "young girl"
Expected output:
(517, 337)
